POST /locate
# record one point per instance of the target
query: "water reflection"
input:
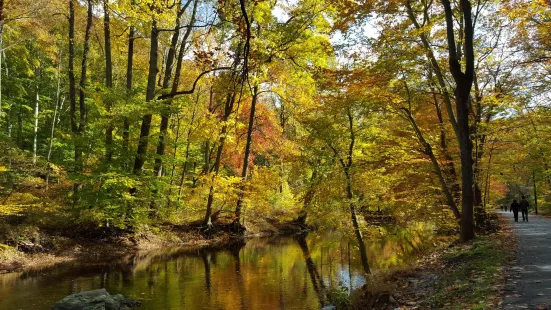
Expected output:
(276, 273)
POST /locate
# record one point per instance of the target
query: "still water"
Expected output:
(263, 273)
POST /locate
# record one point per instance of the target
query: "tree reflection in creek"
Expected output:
(267, 273)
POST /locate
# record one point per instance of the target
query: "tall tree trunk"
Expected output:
(36, 108)
(165, 115)
(58, 104)
(435, 65)
(1, 49)
(188, 144)
(535, 192)
(230, 100)
(150, 94)
(464, 82)
(79, 145)
(355, 224)
(245, 170)
(71, 69)
(129, 64)
(108, 80)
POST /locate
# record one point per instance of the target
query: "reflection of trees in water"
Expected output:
(315, 278)
(206, 256)
(239, 276)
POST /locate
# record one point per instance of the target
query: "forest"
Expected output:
(197, 120)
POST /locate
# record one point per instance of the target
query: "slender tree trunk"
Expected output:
(245, 170)
(79, 145)
(355, 225)
(535, 192)
(58, 106)
(449, 164)
(441, 177)
(1, 49)
(36, 108)
(230, 100)
(71, 70)
(308, 197)
(129, 64)
(146, 120)
(487, 187)
(188, 144)
(165, 115)
(108, 80)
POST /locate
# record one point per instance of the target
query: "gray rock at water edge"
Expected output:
(95, 300)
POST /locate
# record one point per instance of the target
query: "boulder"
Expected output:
(95, 300)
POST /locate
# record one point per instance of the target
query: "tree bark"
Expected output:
(245, 170)
(71, 69)
(228, 108)
(36, 108)
(165, 115)
(1, 49)
(129, 73)
(150, 94)
(108, 80)
(428, 151)
(464, 82)
(535, 192)
(58, 104)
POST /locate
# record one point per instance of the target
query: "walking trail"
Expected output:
(528, 284)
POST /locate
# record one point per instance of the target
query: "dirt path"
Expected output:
(528, 284)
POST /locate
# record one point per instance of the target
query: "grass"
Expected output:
(474, 277)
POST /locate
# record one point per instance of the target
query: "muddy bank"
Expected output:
(29, 247)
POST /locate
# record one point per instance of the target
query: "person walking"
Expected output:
(524, 205)
(515, 206)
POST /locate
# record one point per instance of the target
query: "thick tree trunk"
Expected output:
(150, 94)
(245, 170)
(82, 89)
(464, 82)
(108, 80)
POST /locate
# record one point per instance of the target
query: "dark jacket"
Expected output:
(524, 205)
(515, 206)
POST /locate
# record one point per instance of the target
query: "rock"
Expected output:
(95, 300)
(329, 307)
